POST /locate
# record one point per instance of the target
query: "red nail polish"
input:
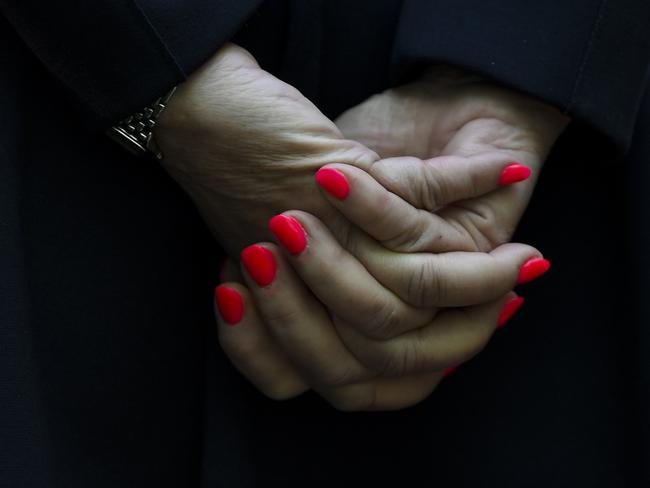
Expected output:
(260, 264)
(333, 182)
(509, 309)
(289, 232)
(532, 269)
(514, 173)
(230, 304)
(449, 371)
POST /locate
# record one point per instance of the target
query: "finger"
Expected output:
(491, 219)
(297, 321)
(251, 348)
(453, 279)
(340, 281)
(453, 337)
(385, 216)
(437, 182)
(394, 200)
(355, 289)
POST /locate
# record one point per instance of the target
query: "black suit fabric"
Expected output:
(110, 372)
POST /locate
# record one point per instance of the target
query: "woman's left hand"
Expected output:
(449, 122)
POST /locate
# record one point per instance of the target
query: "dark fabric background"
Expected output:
(110, 374)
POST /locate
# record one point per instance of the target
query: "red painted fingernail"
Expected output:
(333, 182)
(509, 309)
(230, 304)
(260, 264)
(514, 173)
(289, 232)
(532, 269)
(449, 371)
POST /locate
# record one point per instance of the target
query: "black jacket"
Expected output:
(110, 374)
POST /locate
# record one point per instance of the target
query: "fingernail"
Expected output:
(230, 304)
(449, 371)
(509, 309)
(514, 173)
(260, 264)
(333, 182)
(532, 269)
(289, 232)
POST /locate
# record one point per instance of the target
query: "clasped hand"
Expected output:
(398, 268)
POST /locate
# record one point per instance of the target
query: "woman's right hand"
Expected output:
(310, 316)
(245, 145)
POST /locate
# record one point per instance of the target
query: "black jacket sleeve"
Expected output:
(116, 56)
(587, 57)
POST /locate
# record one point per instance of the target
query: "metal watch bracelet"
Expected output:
(135, 132)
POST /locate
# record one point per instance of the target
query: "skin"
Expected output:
(363, 315)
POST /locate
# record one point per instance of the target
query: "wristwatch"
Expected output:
(135, 132)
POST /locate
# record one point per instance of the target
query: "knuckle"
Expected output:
(480, 224)
(399, 361)
(472, 183)
(361, 156)
(391, 175)
(498, 235)
(482, 218)
(384, 322)
(409, 238)
(346, 235)
(434, 188)
(337, 377)
(480, 215)
(426, 287)
(349, 242)
(472, 238)
(410, 358)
